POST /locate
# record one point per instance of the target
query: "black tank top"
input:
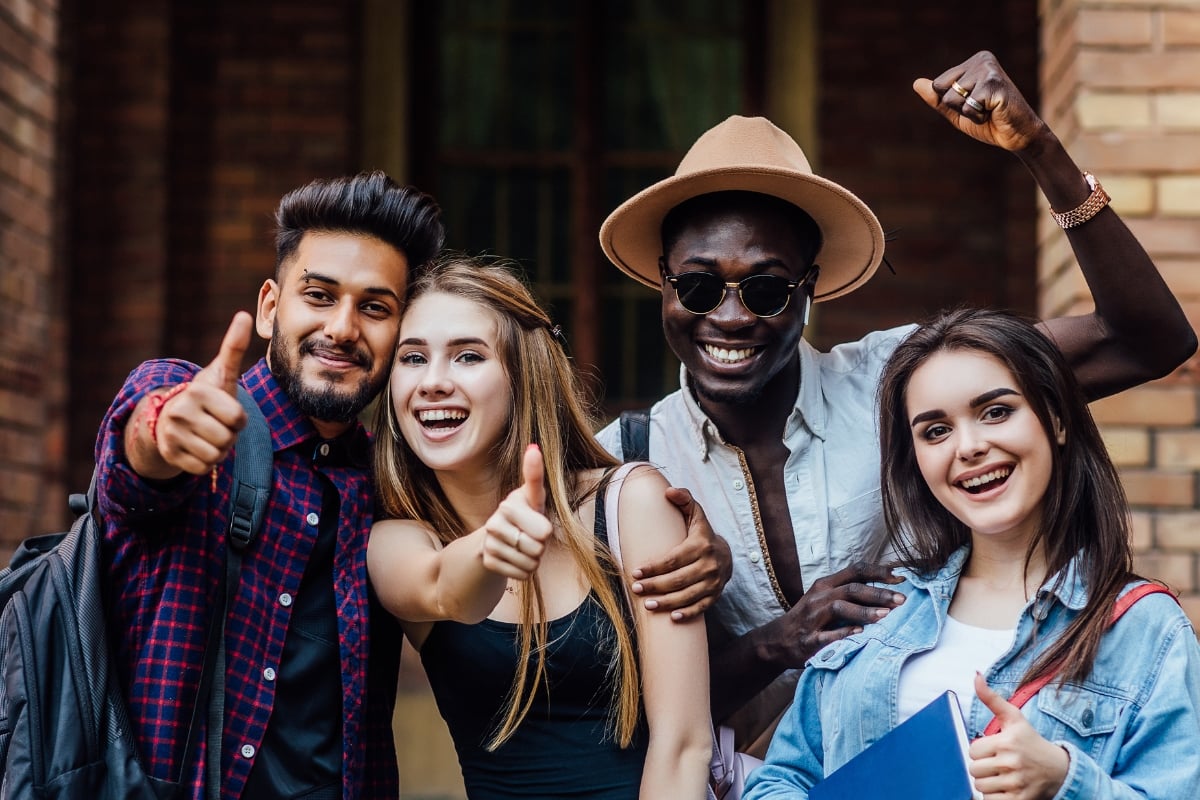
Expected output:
(563, 748)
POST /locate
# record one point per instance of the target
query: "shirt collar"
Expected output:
(289, 427)
(809, 409)
(1066, 586)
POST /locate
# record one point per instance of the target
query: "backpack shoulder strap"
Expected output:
(635, 435)
(252, 474)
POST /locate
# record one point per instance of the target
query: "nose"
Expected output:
(731, 313)
(342, 323)
(435, 380)
(972, 444)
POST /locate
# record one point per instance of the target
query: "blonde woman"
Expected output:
(550, 683)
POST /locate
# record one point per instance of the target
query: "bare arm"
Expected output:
(673, 655)
(1138, 330)
(418, 580)
(689, 578)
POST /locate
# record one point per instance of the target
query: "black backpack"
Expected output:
(64, 725)
(635, 435)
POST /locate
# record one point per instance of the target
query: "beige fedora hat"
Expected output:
(750, 154)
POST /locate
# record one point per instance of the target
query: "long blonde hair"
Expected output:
(548, 407)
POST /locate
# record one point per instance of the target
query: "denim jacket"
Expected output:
(1131, 729)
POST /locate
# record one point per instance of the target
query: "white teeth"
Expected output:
(438, 414)
(729, 356)
(994, 475)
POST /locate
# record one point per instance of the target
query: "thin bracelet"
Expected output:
(1089, 208)
(157, 401)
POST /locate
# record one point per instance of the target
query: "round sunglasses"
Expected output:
(762, 295)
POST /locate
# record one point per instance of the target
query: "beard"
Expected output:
(331, 400)
(740, 396)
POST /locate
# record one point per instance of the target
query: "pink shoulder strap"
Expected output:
(1123, 604)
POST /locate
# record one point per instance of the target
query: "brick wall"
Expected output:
(1122, 88)
(32, 387)
(193, 120)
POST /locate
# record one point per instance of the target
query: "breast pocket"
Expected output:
(856, 530)
(1085, 718)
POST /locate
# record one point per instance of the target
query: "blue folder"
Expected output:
(923, 758)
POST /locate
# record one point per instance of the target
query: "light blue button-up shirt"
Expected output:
(1132, 728)
(832, 477)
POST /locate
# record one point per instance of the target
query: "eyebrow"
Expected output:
(316, 277)
(464, 340)
(975, 402)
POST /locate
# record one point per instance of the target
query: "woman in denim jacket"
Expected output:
(1016, 548)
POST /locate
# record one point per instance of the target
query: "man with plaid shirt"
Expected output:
(308, 694)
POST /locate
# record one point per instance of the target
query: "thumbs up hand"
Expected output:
(1016, 763)
(196, 426)
(518, 530)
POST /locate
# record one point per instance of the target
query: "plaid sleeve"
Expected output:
(122, 491)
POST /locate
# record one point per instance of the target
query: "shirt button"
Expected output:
(313, 518)
(323, 449)
(269, 674)
(285, 599)
(1088, 718)
(247, 751)
(738, 485)
(754, 556)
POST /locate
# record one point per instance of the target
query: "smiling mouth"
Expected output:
(442, 418)
(988, 480)
(730, 355)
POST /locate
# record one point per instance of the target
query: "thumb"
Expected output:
(1003, 710)
(224, 370)
(924, 88)
(533, 476)
(680, 498)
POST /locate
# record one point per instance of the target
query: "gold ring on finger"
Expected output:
(956, 86)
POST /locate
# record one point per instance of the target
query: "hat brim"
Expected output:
(852, 238)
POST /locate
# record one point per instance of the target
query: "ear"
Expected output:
(662, 267)
(268, 304)
(1060, 433)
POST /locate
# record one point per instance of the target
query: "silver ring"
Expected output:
(973, 103)
(956, 86)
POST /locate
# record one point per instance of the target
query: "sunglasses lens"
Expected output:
(765, 295)
(699, 292)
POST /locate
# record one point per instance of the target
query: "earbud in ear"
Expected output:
(807, 307)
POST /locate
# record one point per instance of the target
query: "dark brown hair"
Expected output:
(1084, 512)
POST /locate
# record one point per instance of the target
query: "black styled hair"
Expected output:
(369, 203)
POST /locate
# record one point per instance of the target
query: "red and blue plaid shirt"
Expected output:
(164, 544)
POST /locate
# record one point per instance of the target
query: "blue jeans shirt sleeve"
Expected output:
(795, 760)
(1158, 756)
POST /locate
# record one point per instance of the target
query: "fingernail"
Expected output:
(651, 604)
(854, 631)
(637, 588)
(897, 598)
(637, 573)
(880, 613)
(677, 615)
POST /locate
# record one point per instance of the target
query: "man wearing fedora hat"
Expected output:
(776, 440)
